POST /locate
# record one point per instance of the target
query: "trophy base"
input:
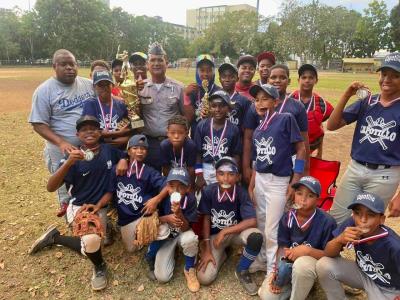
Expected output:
(137, 124)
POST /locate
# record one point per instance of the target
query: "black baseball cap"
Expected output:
(309, 182)
(228, 161)
(307, 67)
(268, 88)
(247, 59)
(220, 96)
(137, 55)
(370, 201)
(392, 61)
(179, 174)
(84, 120)
(138, 140)
(205, 58)
(227, 66)
(102, 76)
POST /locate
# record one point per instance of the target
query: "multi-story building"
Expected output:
(201, 18)
(188, 33)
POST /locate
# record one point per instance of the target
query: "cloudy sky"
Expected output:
(175, 10)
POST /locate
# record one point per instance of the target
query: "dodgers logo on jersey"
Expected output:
(209, 147)
(264, 149)
(129, 195)
(220, 219)
(373, 270)
(377, 131)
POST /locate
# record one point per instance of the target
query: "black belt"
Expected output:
(373, 166)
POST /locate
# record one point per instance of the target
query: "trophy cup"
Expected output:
(129, 94)
(204, 101)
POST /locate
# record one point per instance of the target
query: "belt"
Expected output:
(373, 166)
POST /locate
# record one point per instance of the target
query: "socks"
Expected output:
(246, 259)
(189, 262)
(153, 249)
(96, 258)
(71, 242)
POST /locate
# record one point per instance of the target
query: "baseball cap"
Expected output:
(179, 174)
(269, 89)
(392, 61)
(138, 140)
(137, 55)
(228, 164)
(227, 66)
(102, 76)
(247, 59)
(311, 183)
(369, 200)
(220, 96)
(266, 55)
(84, 120)
(204, 58)
(307, 67)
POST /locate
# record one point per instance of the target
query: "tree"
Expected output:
(395, 28)
(9, 34)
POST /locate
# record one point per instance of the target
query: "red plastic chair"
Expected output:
(326, 172)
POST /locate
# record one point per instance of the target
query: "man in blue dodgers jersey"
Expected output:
(108, 111)
(86, 172)
(56, 105)
(303, 234)
(375, 164)
(377, 251)
(228, 76)
(215, 137)
(279, 78)
(138, 192)
(194, 92)
(276, 139)
(177, 212)
(229, 218)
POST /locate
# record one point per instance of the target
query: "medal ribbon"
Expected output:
(138, 173)
(312, 102)
(265, 123)
(181, 165)
(184, 203)
(390, 102)
(292, 216)
(107, 126)
(215, 149)
(368, 239)
(233, 95)
(284, 102)
(231, 198)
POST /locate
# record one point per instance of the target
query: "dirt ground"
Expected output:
(27, 210)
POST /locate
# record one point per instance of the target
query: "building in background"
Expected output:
(188, 33)
(201, 18)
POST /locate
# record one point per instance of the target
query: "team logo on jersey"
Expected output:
(233, 118)
(109, 164)
(220, 219)
(129, 195)
(295, 244)
(377, 131)
(209, 147)
(373, 270)
(113, 124)
(265, 150)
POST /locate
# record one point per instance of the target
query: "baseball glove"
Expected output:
(146, 230)
(86, 222)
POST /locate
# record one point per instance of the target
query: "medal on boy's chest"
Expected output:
(88, 155)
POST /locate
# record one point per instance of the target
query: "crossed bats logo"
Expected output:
(371, 269)
(377, 131)
(221, 219)
(114, 121)
(209, 145)
(129, 195)
(265, 149)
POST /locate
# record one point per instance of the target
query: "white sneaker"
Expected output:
(258, 266)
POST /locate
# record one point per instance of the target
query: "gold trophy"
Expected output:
(205, 106)
(129, 94)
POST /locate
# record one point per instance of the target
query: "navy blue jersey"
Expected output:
(212, 150)
(380, 261)
(89, 179)
(131, 193)
(195, 100)
(316, 235)
(173, 160)
(376, 136)
(291, 106)
(274, 146)
(239, 110)
(92, 107)
(225, 213)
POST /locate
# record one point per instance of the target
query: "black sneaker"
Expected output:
(247, 282)
(47, 239)
(150, 262)
(99, 278)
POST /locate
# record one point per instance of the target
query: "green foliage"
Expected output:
(395, 28)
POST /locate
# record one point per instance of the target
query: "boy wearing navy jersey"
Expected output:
(377, 251)
(375, 164)
(279, 78)
(107, 110)
(177, 212)
(229, 218)
(303, 234)
(215, 137)
(276, 139)
(86, 173)
(137, 191)
(228, 76)
(178, 150)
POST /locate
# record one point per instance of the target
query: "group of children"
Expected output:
(275, 219)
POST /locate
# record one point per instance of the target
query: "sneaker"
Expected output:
(257, 266)
(109, 236)
(191, 280)
(247, 282)
(99, 278)
(150, 274)
(63, 209)
(46, 239)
